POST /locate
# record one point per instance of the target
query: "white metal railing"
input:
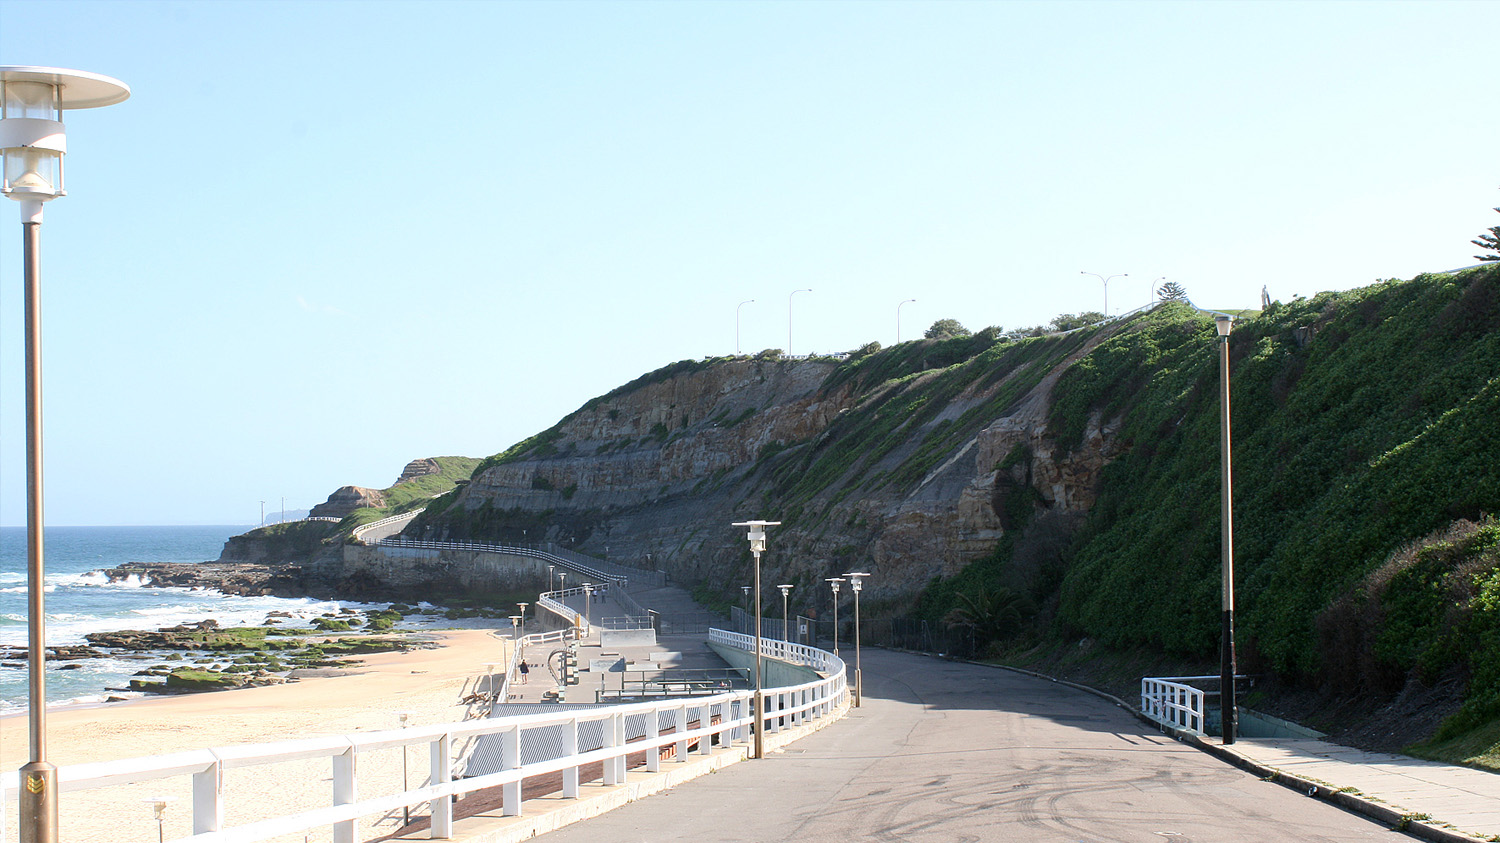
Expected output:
(552, 601)
(359, 532)
(724, 719)
(475, 547)
(1171, 702)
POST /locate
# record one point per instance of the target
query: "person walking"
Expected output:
(525, 669)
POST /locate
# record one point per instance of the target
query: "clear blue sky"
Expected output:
(323, 239)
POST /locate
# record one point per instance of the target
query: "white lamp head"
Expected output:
(856, 580)
(1222, 323)
(32, 137)
(785, 589)
(834, 581)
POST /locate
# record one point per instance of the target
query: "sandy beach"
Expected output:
(430, 684)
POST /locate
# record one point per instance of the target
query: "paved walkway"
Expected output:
(945, 752)
(1455, 798)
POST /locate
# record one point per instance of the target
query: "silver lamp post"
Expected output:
(898, 318)
(757, 537)
(789, 319)
(856, 582)
(737, 324)
(33, 141)
(834, 582)
(515, 627)
(550, 577)
(1228, 713)
(1106, 286)
(588, 606)
(786, 621)
(523, 615)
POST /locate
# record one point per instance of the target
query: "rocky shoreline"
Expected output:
(242, 579)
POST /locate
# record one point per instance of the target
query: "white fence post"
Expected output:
(208, 799)
(442, 772)
(345, 792)
(614, 728)
(510, 794)
(570, 749)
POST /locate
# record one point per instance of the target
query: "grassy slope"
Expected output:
(1381, 428)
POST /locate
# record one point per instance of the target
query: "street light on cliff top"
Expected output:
(1228, 713)
(856, 582)
(789, 319)
(33, 141)
(757, 537)
(898, 319)
(1106, 286)
(737, 324)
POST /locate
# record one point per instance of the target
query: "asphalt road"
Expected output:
(946, 752)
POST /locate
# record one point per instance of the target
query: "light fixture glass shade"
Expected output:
(32, 172)
(1223, 323)
(38, 100)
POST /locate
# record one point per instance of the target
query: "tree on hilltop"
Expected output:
(1171, 291)
(1489, 241)
(946, 329)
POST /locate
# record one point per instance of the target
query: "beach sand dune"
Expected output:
(430, 684)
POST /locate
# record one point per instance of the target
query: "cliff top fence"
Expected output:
(600, 738)
(595, 568)
(387, 526)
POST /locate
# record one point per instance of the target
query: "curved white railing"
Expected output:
(475, 547)
(358, 534)
(722, 720)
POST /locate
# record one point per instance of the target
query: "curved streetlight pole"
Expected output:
(789, 319)
(1106, 286)
(1228, 713)
(757, 537)
(32, 145)
(737, 324)
(898, 319)
(1152, 291)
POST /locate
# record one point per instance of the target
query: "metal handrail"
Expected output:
(783, 707)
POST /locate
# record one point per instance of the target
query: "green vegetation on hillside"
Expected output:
(415, 493)
(1363, 421)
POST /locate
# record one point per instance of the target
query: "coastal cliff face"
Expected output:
(903, 475)
(343, 502)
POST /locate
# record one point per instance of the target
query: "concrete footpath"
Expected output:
(1434, 801)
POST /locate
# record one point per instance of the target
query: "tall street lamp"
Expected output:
(1228, 713)
(757, 537)
(588, 606)
(834, 582)
(745, 597)
(1106, 286)
(523, 614)
(550, 568)
(789, 319)
(33, 141)
(737, 324)
(898, 319)
(515, 627)
(786, 625)
(856, 582)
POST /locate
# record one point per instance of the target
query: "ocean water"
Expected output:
(80, 600)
